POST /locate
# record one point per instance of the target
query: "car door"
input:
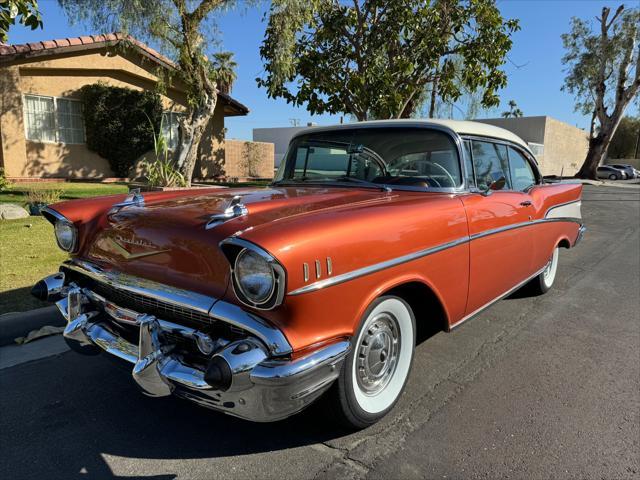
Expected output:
(500, 250)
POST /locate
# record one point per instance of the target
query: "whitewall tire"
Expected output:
(546, 279)
(378, 365)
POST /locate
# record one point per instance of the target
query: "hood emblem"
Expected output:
(116, 246)
(234, 209)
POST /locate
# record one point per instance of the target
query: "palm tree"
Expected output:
(224, 71)
(513, 111)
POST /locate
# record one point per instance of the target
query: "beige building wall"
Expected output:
(565, 148)
(249, 159)
(63, 75)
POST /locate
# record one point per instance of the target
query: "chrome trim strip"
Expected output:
(514, 226)
(272, 337)
(499, 297)
(345, 277)
(148, 288)
(54, 214)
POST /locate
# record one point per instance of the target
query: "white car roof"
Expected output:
(462, 127)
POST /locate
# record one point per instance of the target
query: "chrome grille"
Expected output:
(141, 303)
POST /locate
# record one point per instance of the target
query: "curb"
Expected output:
(18, 324)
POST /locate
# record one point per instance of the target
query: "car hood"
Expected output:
(166, 239)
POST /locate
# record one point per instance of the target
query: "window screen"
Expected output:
(40, 118)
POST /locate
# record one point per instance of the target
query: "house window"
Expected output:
(170, 128)
(50, 119)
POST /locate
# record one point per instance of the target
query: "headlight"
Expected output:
(254, 276)
(66, 235)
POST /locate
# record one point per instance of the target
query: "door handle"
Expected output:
(526, 203)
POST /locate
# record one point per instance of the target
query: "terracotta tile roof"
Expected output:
(62, 45)
(92, 41)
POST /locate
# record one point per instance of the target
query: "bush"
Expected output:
(43, 196)
(4, 183)
(117, 123)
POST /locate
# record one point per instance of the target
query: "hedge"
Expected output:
(117, 123)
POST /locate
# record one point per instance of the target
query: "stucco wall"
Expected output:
(63, 76)
(248, 159)
(565, 148)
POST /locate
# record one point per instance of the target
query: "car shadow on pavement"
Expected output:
(64, 414)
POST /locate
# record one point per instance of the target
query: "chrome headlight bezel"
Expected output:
(69, 227)
(56, 219)
(233, 249)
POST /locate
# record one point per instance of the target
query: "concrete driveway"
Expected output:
(544, 387)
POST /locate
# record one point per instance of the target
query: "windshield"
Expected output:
(412, 157)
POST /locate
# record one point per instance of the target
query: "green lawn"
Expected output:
(28, 249)
(17, 192)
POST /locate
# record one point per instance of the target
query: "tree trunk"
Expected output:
(597, 150)
(192, 130)
(434, 96)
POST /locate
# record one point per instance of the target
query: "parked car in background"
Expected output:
(627, 169)
(258, 301)
(611, 173)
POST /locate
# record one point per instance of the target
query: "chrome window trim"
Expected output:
(457, 140)
(280, 274)
(360, 272)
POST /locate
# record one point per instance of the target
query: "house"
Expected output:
(560, 148)
(42, 133)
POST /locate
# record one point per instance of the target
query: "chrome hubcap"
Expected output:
(378, 354)
(547, 270)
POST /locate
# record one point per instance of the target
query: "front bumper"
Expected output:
(263, 386)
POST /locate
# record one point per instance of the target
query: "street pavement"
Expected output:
(533, 388)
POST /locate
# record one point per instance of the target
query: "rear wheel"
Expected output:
(377, 367)
(543, 282)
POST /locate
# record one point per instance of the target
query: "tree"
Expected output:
(375, 58)
(224, 71)
(604, 75)
(180, 28)
(624, 143)
(513, 111)
(25, 11)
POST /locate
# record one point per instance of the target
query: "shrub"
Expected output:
(117, 123)
(4, 183)
(43, 196)
(162, 172)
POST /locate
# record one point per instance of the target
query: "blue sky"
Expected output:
(535, 85)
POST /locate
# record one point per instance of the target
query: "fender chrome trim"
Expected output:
(360, 272)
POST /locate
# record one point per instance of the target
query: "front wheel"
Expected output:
(543, 282)
(613, 177)
(377, 367)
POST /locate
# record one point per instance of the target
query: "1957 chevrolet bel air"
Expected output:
(258, 301)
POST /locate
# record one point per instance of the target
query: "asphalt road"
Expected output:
(543, 387)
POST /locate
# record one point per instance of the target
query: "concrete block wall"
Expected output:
(245, 159)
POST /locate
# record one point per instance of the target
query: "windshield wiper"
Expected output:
(346, 178)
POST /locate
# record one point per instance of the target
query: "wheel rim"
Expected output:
(378, 353)
(378, 380)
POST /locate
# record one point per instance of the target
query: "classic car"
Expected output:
(258, 301)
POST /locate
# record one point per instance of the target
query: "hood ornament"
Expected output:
(133, 198)
(235, 209)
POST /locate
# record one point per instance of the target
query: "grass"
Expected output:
(17, 193)
(28, 252)
(28, 249)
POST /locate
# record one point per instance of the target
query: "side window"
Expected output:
(468, 164)
(522, 175)
(491, 164)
